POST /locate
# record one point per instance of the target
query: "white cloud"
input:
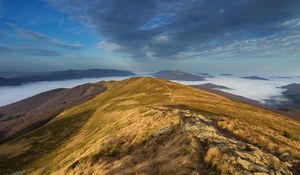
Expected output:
(109, 46)
(263, 46)
(11, 94)
(258, 90)
(161, 39)
(25, 33)
(292, 23)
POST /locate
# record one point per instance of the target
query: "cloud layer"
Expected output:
(27, 50)
(44, 38)
(187, 28)
(258, 90)
(11, 94)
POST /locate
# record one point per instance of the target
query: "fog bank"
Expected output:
(258, 90)
(11, 94)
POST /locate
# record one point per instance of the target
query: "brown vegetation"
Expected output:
(153, 126)
(33, 112)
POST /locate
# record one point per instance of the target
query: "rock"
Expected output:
(284, 155)
(245, 164)
(288, 164)
(244, 157)
(260, 173)
(260, 168)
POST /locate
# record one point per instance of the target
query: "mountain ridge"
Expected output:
(178, 75)
(31, 113)
(63, 75)
(157, 127)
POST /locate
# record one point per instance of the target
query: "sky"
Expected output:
(215, 36)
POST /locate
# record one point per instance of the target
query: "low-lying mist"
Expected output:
(11, 94)
(258, 90)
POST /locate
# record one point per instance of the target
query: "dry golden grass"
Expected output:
(263, 136)
(132, 129)
(219, 160)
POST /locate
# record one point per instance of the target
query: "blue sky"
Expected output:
(249, 36)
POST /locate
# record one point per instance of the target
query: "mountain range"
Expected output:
(151, 126)
(63, 75)
(179, 75)
(255, 78)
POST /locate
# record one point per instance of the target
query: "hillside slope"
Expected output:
(153, 126)
(33, 112)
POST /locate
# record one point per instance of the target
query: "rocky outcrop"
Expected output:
(228, 153)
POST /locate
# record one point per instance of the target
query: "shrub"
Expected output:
(286, 134)
(187, 152)
(113, 152)
(74, 164)
(213, 154)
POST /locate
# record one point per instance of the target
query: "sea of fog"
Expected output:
(11, 94)
(259, 90)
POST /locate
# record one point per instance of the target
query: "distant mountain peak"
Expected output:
(178, 75)
(255, 78)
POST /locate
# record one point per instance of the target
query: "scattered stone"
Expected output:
(243, 158)
(260, 168)
(288, 164)
(245, 164)
(260, 173)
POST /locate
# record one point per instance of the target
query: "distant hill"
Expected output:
(212, 86)
(153, 126)
(205, 75)
(9, 82)
(254, 78)
(178, 75)
(63, 75)
(227, 74)
(293, 93)
(31, 113)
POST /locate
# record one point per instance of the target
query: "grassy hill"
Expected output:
(28, 114)
(153, 126)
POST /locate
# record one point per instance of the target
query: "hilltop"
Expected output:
(154, 126)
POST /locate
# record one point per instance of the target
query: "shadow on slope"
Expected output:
(40, 142)
(31, 113)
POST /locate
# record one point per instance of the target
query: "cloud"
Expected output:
(11, 94)
(258, 90)
(108, 46)
(263, 46)
(41, 37)
(29, 51)
(139, 26)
